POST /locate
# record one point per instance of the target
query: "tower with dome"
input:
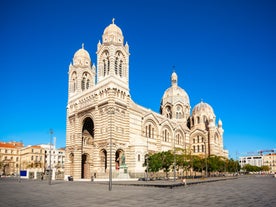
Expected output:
(103, 121)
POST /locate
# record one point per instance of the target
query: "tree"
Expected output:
(265, 168)
(167, 161)
(160, 161)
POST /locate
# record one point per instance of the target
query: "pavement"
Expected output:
(238, 191)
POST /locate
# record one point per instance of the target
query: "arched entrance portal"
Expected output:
(87, 147)
(119, 158)
(85, 170)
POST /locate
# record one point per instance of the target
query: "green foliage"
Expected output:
(165, 161)
(251, 168)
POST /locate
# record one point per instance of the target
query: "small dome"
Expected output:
(203, 109)
(175, 94)
(82, 57)
(113, 33)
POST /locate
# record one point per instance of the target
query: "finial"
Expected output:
(113, 20)
(82, 45)
(173, 68)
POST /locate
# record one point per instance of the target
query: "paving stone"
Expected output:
(243, 191)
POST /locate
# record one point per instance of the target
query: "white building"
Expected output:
(252, 160)
(57, 157)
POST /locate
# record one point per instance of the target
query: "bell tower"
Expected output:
(113, 57)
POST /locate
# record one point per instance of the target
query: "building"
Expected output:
(256, 160)
(104, 124)
(56, 157)
(270, 160)
(10, 158)
(32, 159)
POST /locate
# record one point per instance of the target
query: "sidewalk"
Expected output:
(163, 183)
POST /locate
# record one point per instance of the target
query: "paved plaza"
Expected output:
(243, 191)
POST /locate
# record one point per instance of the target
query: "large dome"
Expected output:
(175, 94)
(82, 57)
(113, 33)
(203, 108)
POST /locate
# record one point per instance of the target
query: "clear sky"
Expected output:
(224, 52)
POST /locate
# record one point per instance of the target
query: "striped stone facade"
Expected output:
(103, 121)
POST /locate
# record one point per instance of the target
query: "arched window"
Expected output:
(121, 68)
(116, 65)
(149, 131)
(87, 83)
(74, 82)
(119, 63)
(104, 67)
(106, 63)
(83, 84)
(139, 158)
(166, 136)
(178, 139)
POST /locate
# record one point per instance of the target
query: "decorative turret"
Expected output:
(175, 102)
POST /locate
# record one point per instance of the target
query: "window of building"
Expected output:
(139, 158)
(198, 120)
(83, 84)
(149, 131)
(166, 136)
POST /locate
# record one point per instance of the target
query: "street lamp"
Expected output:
(111, 111)
(206, 165)
(147, 158)
(50, 166)
(174, 172)
(19, 167)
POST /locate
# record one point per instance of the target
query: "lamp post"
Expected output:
(19, 167)
(111, 111)
(174, 172)
(147, 158)
(50, 160)
(206, 165)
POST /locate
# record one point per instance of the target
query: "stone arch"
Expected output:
(150, 128)
(73, 82)
(88, 126)
(119, 158)
(85, 166)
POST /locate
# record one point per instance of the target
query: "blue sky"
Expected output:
(224, 52)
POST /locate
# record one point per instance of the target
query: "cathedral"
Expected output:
(105, 129)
